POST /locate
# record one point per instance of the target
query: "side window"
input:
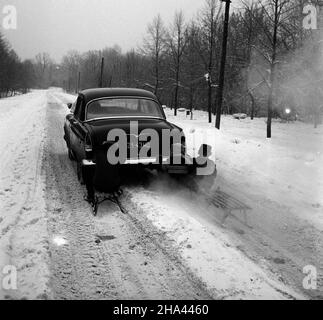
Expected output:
(146, 107)
(78, 108)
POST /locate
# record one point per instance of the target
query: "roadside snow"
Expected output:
(286, 169)
(210, 255)
(281, 179)
(23, 233)
(24, 243)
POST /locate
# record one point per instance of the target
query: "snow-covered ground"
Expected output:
(287, 168)
(208, 251)
(169, 242)
(23, 225)
(281, 179)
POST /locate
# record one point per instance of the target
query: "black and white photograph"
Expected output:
(161, 155)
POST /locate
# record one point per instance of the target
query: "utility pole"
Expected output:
(78, 82)
(219, 97)
(101, 73)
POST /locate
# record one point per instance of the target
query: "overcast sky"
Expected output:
(57, 26)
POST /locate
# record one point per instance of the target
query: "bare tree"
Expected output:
(250, 18)
(193, 69)
(176, 41)
(275, 25)
(44, 69)
(154, 47)
(277, 7)
(131, 67)
(71, 64)
(113, 61)
(209, 19)
(90, 68)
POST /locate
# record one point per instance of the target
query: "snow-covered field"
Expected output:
(281, 179)
(169, 243)
(287, 168)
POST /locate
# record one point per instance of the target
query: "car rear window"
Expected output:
(123, 107)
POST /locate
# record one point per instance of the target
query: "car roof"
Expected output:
(97, 93)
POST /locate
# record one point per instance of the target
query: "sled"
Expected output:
(228, 204)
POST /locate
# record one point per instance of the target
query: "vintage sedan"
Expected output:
(109, 129)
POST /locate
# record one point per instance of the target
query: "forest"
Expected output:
(272, 64)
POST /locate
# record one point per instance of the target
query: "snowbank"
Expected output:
(23, 231)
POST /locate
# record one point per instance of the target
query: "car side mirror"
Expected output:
(69, 105)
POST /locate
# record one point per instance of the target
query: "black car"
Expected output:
(139, 133)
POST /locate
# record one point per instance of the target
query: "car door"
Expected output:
(77, 130)
(67, 125)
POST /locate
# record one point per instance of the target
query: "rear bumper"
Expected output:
(150, 163)
(145, 161)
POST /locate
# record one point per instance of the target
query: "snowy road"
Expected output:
(165, 245)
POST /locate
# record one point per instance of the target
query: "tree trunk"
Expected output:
(270, 111)
(101, 73)
(178, 65)
(157, 68)
(252, 106)
(272, 72)
(210, 100)
(176, 89)
(191, 98)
